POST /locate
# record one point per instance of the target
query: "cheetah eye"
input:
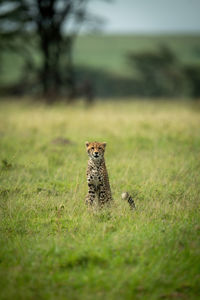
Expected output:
(100, 148)
(92, 148)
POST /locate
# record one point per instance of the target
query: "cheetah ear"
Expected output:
(87, 144)
(104, 144)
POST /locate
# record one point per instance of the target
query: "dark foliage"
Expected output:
(160, 73)
(193, 75)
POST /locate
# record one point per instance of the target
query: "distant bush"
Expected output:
(162, 74)
(193, 76)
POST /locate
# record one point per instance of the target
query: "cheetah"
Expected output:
(97, 176)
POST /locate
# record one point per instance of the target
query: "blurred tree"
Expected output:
(159, 73)
(193, 74)
(54, 24)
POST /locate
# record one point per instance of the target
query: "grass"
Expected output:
(52, 247)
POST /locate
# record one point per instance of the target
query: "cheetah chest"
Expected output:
(95, 177)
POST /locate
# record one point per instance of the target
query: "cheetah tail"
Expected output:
(127, 197)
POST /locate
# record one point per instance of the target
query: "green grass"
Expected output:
(52, 247)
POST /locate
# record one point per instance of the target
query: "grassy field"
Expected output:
(108, 53)
(52, 247)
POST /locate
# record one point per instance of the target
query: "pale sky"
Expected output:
(148, 15)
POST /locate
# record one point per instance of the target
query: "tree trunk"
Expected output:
(70, 71)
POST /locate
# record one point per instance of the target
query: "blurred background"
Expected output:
(70, 49)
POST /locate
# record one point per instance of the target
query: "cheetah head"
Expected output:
(95, 150)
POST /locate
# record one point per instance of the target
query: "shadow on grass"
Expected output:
(83, 261)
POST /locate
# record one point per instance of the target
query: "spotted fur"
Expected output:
(97, 176)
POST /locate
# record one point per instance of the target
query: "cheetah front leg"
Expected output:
(91, 194)
(102, 195)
